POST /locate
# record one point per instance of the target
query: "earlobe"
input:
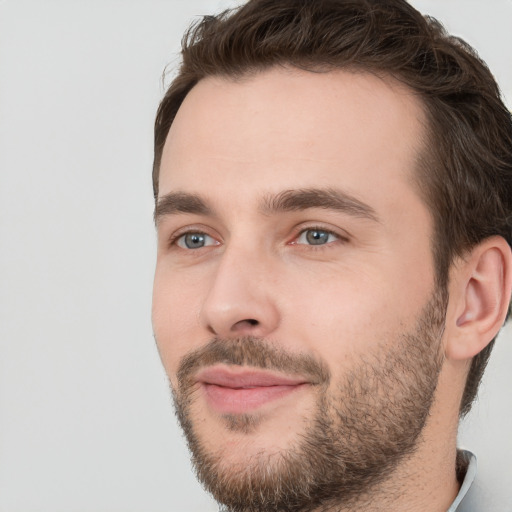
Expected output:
(481, 290)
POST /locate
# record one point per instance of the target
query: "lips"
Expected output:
(242, 390)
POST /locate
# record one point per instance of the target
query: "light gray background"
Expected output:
(85, 415)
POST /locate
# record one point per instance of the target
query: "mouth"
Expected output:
(243, 390)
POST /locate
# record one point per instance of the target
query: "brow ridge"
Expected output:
(180, 202)
(287, 200)
(325, 198)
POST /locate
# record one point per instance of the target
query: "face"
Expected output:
(294, 306)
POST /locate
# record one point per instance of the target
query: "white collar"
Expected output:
(468, 480)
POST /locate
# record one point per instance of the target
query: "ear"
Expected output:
(480, 288)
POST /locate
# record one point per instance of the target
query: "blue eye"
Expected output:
(195, 241)
(316, 237)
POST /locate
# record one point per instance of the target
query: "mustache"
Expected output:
(252, 352)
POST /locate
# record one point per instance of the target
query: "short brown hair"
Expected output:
(465, 169)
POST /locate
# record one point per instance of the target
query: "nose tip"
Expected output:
(239, 301)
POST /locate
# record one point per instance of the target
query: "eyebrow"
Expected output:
(180, 202)
(328, 199)
(285, 201)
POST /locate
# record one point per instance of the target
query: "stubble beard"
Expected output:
(358, 436)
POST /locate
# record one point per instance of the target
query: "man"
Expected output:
(333, 205)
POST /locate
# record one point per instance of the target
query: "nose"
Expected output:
(241, 297)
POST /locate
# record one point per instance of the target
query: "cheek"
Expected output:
(344, 324)
(175, 317)
(345, 313)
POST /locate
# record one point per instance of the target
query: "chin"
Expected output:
(239, 438)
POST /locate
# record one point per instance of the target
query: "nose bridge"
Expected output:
(239, 300)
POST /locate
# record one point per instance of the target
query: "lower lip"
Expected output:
(244, 400)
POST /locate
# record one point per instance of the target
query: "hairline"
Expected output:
(323, 67)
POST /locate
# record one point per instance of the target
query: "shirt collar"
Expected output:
(468, 480)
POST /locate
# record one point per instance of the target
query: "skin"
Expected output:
(258, 276)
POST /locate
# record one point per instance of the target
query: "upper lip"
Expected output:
(245, 378)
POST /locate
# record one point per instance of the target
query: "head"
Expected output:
(384, 103)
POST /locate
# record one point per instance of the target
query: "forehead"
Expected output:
(285, 128)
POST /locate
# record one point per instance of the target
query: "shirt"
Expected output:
(464, 501)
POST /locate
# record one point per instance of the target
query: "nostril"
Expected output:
(247, 323)
(238, 327)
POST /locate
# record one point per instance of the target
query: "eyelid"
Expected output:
(196, 228)
(302, 239)
(341, 235)
(182, 244)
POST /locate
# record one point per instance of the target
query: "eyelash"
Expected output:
(339, 237)
(173, 241)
